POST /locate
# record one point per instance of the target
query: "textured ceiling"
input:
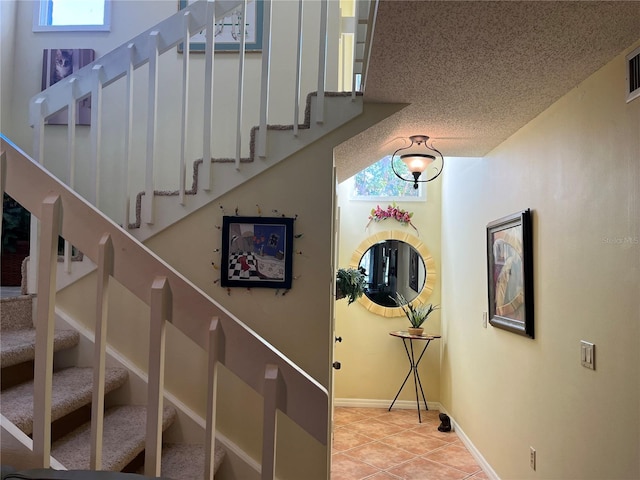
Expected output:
(474, 72)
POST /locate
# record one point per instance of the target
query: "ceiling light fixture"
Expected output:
(419, 157)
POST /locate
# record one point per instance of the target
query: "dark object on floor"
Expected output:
(445, 426)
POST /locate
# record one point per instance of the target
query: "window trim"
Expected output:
(42, 10)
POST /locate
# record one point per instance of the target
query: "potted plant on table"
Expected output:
(350, 283)
(417, 315)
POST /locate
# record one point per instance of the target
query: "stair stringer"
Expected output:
(17, 448)
(340, 109)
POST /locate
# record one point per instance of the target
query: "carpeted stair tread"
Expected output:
(16, 313)
(17, 346)
(72, 389)
(186, 462)
(123, 439)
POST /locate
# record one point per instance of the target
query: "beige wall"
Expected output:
(374, 363)
(7, 40)
(130, 18)
(577, 166)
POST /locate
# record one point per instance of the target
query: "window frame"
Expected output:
(42, 10)
(421, 197)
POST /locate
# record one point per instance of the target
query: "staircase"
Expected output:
(124, 425)
(46, 184)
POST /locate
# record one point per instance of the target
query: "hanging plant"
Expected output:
(392, 211)
(350, 283)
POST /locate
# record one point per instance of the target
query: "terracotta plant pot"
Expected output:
(415, 331)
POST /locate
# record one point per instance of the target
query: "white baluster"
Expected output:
(185, 105)
(241, 55)
(265, 79)
(322, 62)
(96, 132)
(161, 308)
(205, 174)
(152, 120)
(105, 270)
(296, 103)
(215, 347)
(50, 217)
(128, 134)
(274, 392)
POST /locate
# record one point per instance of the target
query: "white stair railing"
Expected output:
(283, 385)
(147, 49)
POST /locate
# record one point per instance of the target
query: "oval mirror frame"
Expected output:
(421, 248)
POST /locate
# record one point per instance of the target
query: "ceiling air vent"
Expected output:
(633, 75)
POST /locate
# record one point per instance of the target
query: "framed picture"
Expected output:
(413, 270)
(59, 63)
(257, 252)
(510, 273)
(227, 30)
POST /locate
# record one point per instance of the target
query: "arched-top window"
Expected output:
(378, 182)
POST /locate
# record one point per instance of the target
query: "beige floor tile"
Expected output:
(346, 468)
(380, 455)
(345, 416)
(375, 444)
(374, 428)
(422, 469)
(414, 442)
(344, 438)
(456, 457)
(383, 476)
(479, 476)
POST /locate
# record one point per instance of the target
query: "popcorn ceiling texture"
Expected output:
(474, 72)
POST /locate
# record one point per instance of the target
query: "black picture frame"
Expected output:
(257, 252)
(510, 273)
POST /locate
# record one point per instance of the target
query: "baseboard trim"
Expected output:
(382, 403)
(486, 468)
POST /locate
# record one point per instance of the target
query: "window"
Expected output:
(378, 182)
(71, 15)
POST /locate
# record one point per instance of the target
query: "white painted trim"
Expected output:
(23, 447)
(382, 403)
(486, 468)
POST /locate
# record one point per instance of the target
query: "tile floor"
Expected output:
(374, 444)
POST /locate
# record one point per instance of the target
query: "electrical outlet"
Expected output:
(532, 458)
(484, 319)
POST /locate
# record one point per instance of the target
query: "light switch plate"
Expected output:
(588, 354)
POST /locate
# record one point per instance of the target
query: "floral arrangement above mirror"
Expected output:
(394, 212)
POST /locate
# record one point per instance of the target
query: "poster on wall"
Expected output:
(257, 252)
(59, 63)
(227, 30)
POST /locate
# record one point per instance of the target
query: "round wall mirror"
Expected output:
(394, 262)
